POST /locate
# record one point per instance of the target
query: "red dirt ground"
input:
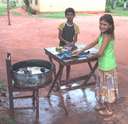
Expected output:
(27, 36)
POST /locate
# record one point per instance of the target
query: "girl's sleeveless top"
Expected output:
(107, 61)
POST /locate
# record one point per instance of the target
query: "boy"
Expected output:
(68, 31)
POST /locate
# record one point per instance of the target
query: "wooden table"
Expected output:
(52, 53)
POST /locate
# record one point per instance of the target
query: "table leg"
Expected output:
(60, 94)
(63, 104)
(93, 68)
(54, 70)
(68, 69)
(37, 104)
(91, 72)
(58, 76)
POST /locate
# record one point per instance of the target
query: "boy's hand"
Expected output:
(69, 44)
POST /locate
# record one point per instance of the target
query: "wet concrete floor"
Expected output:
(80, 104)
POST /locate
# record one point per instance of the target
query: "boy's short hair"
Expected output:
(69, 10)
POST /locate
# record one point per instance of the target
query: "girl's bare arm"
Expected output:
(106, 39)
(92, 44)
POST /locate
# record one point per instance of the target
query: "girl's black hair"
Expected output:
(69, 10)
(109, 19)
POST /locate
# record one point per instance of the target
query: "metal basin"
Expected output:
(32, 73)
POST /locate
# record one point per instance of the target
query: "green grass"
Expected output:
(52, 15)
(2, 9)
(57, 15)
(119, 11)
(16, 13)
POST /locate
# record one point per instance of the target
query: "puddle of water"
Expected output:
(80, 101)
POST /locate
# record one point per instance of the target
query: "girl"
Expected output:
(107, 87)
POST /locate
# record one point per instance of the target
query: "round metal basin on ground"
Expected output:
(32, 73)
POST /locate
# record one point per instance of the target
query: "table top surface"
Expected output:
(64, 56)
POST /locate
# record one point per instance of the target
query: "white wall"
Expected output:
(35, 7)
(78, 5)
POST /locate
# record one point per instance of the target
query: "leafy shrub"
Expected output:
(12, 3)
(120, 4)
(31, 11)
(108, 6)
(2, 9)
(26, 3)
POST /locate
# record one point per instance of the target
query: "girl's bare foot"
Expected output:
(105, 112)
(99, 107)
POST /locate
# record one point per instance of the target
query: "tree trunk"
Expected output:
(113, 4)
(8, 13)
(27, 4)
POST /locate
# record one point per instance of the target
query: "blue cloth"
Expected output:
(68, 55)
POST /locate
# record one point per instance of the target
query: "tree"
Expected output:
(125, 4)
(113, 4)
(8, 12)
(27, 4)
(108, 6)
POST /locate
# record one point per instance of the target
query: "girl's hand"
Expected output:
(96, 55)
(76, 52)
